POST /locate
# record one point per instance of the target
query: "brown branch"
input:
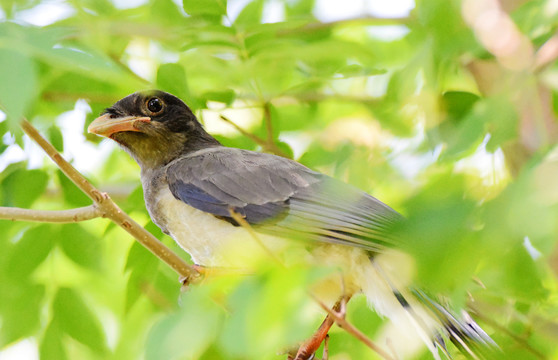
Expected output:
(111, 210)
(53, 216)
(546, 54)
(348, 327)
(269, 147)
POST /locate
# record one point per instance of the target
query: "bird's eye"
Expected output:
(154, 105)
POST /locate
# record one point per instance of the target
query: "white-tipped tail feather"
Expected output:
(416, 319)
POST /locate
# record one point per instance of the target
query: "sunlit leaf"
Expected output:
(80, 246)
(187, 333)
(51, 346)
(210, 7)
(77, 320)
(31, 250)
(22, 187)
(18, 84)
(20, 307)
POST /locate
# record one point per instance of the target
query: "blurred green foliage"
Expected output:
(429, 118)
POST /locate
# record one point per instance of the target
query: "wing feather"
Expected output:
(280, 196)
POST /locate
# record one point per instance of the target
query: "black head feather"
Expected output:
(172, 131)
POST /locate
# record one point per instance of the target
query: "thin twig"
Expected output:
(546, 54)
(240, 220)
(325, 353)
(53, 216)
(521, 341)
(268, 124)
(111, 210)
(271, 147)
(348, 327)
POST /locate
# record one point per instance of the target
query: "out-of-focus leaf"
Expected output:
(225, 96)
(251, 14)
(188, 333)
(172, 78)
(72, 195)
(77, 320)
(22, 187)
(142, 265)
(18, 88)
(520, 276)
(437, 214)
(267, 312)
(51, 346)
(467, 136)
(31, 250)
(353, 70)
(55, 137)
(20, 310)
(209, 7)
(299, 8)
(80, 246)
(458, 103)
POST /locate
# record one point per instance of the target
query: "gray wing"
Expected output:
(280, 196)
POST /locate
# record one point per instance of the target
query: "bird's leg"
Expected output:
(309, 347)
(325, 354)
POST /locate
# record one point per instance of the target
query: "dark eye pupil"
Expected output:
(154, 105)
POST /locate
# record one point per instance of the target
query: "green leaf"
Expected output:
(31, 250)
(19, 84)
(21, 305)
(207, 7)
(22, 187)
(77, 320)
(251, 14)
(55, 137)
(172, 78)
(80, 246)
(267, 311)
(354, 70)
(143, 266)
(225, 96)
(51, 346)
(186, 334)
(72, 195)
(458, 103)
(521, 276)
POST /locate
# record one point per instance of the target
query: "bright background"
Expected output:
(444, 109)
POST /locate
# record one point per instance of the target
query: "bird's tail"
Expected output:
(415, 314)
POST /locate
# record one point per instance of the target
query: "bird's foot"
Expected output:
(307, 350)
(187, 280)
(208, 272)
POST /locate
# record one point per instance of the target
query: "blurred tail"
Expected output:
(413, 312)
(462, 331)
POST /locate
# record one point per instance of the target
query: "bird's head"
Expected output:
(153, 126)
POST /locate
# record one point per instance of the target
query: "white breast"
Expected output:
(211, 241)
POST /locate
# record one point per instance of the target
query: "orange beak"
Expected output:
(106, 126)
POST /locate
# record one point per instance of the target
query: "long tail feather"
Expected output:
(431, 321)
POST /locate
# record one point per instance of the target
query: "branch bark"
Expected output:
(54, 216)
(110, 210)
(348, 327)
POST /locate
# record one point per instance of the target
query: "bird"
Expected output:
(212, 199)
